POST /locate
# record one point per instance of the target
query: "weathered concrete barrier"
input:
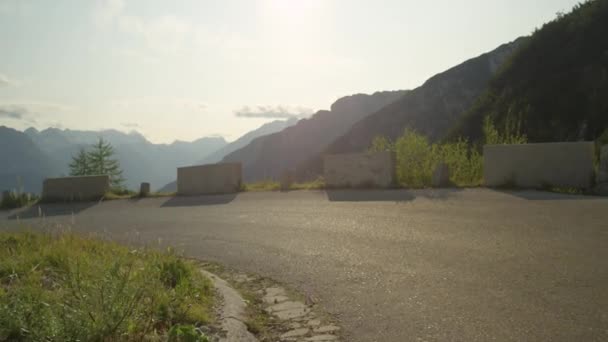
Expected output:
(80, 188)
(602, 172)
(209, 179)
(601, 187)
(375, 169)
(538, 165)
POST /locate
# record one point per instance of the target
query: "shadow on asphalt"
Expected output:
(397, 195)
(535, 195)
(51, 209)
(193, 201)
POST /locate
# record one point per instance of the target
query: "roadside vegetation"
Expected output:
(68, 288)
(266, 185)
(270, 185)
(317, 184)
(417, 158)
(17, 198)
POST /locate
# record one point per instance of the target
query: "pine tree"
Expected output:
(101, 163)
(80, 164)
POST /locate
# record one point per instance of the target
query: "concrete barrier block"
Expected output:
(209, 179)
(375, 169)
(602, 172)
(538, 165)
(79, 188)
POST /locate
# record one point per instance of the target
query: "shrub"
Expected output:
(417, 159)
(381, 143)
(511, 134)
(414, 158)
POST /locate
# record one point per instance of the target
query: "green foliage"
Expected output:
(381, 143)
(174, 272)
(317, 184)
(414, 159)
(511, 134)
(266, 185)
(80, 165)
(555, 85)
(465, 163)
(67, 288)
(417, 159)
(99, 161)
(186, 333)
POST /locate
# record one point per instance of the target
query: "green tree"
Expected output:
(381, 144)
(101, 162)
(80, 164)
(511, 134)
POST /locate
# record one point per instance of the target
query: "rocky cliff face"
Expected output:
(267, 157)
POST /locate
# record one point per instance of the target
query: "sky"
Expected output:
(185, 69)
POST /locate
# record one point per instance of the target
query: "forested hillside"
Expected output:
(555, 87)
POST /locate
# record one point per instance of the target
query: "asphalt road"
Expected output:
(448, 265)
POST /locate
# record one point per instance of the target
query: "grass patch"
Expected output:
(270, 185)
(159, 194)
(317, 184)
(109, 196)
(266, 185)
(68, 288)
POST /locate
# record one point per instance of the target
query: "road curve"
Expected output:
(428, 265)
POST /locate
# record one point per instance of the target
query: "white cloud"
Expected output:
(273, 112)
(29, 112)
(13, 112)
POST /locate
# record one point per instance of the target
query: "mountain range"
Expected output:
(34, 155)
